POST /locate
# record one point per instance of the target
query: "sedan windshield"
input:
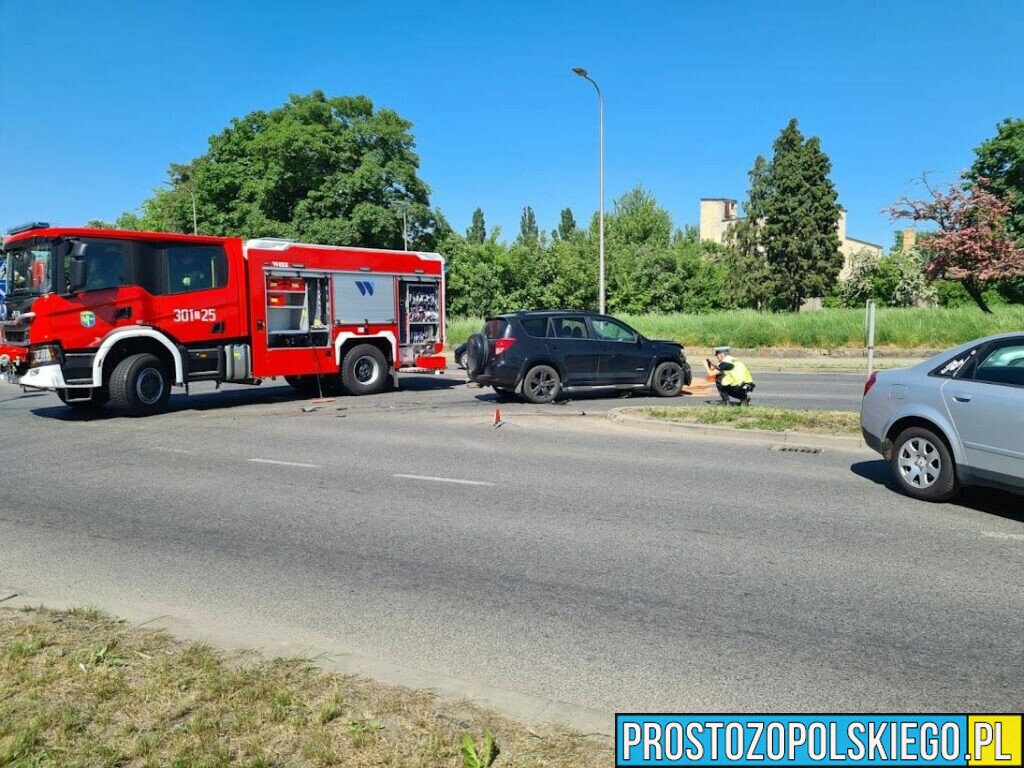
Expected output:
(27, 269)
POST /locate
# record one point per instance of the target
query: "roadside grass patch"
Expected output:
(80, 689)
(757, 417)
(905, 328)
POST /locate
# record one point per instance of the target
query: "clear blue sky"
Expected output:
(100, 96)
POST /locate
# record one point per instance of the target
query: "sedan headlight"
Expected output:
(44, 355)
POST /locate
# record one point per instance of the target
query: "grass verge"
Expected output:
(910, 328)
(78, 689)
(840, 423)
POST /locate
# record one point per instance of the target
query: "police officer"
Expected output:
(733, 378)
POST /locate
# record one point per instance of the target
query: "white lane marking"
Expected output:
(1001, 535)
(168, 450)
(286, 463)
(433, 479)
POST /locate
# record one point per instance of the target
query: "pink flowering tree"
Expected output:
(973, 244)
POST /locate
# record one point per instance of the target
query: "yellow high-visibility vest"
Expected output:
(739, 374)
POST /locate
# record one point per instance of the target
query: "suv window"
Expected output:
(195, 268)
(607, 329)
(569, 328)
(495, 329)
(535, 326)
(1003, 364)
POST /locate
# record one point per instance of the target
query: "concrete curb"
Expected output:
(802, 439)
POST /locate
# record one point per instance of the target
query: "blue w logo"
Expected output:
(365, 287)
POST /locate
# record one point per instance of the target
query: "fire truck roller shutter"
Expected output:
(364, 298)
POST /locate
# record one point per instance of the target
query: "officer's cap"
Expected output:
(723, 350)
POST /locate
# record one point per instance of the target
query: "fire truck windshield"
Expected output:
(28, 269)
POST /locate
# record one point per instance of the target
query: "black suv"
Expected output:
(541, 354)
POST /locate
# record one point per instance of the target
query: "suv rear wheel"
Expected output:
(668, 379)
(923, 466)
(542, 384)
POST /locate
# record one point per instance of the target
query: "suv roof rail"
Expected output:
(556, 312)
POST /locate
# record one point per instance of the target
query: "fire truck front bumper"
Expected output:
(43, 377)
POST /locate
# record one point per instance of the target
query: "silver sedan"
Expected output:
(954, 420)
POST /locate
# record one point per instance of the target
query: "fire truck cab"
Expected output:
(114, 316)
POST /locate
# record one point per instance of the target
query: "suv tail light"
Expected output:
(870, 383)
(500, 345)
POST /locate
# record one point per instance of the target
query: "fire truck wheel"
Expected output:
(364, 370)
(139, 385)
(97, 399)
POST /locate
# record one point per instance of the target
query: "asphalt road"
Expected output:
(559, 556)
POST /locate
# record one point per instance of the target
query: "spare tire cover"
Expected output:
(476, 354)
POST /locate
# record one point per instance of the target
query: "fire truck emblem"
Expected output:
(88, 319)
(365, 287)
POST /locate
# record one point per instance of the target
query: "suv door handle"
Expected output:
(962, 397)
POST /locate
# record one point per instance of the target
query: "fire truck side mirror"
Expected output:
(79, 274)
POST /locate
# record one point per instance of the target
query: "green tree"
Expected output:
(320, 169)
(477, 231)
(800, 239)
(861, 282)
(472, 279)
(973, 243)
(746, 260)
(528, 232)
(129, 221)
(99, 224)
(566, 224)
(643, 273)
(1001, 161)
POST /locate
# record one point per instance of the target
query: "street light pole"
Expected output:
(403, 206)
(600, 107)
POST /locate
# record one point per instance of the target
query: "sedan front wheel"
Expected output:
(923, 466)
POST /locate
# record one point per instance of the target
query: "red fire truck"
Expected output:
(106, 315)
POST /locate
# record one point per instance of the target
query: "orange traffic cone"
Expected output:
(497, 418)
